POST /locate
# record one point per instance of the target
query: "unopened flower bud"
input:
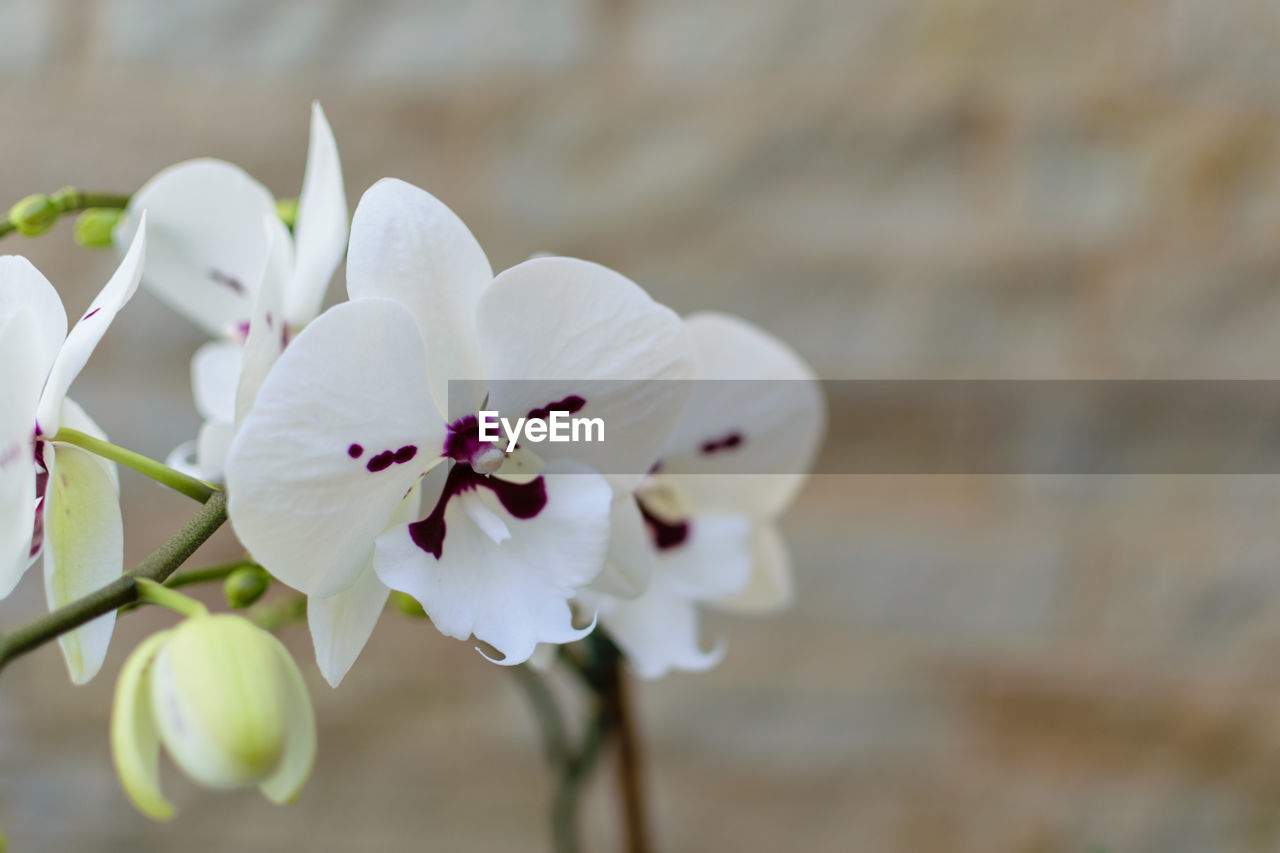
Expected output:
(287, 210)
(407, 604)
(95, 226)
(228, 703)
(245, 586)
(35, 214)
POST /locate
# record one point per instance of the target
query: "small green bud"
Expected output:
(95, 226)
(245, 586)
(287, 210)
(408, 605)
(35, 214)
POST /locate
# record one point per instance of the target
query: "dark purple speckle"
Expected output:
(91, 313)
(665, 534)
(382, 461)
(355, 451)
(716, 445)
(219, 277)
(386, 458)
(405, 453)
(570, 405)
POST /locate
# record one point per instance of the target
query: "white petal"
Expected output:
(212, 446)
(406, 245)
(771, 586)
(320, 234)
(715, 560)
(560, 321)
(307, 493)
(772, 410)
(135, 741)
(630, 561)
(268, 329)
(341, 624)
(207, 246)
(84, 336)
(23, 289)
(511, 595)
(215, 372)
(658, 632)
(185, 459)
(20, 382)
(286, 783)
(83, 550)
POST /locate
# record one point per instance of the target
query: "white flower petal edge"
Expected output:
(303, 496)
(320, 233)
(207, 244)
(84, 336)
(341, 624)
(25, 290)
(552, 323)
(511, 594)
(20, 383)
(83, 549)
(408, 246)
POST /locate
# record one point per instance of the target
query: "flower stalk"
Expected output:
(163, 474)
(161, 563)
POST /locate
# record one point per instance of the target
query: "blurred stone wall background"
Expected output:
(935, 188)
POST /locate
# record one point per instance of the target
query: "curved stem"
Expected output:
(555, 737)
(72, 200)
(157, 593)
(157, 567)
(163, 474)
(630, 765)
(573, 776)
(209, 573)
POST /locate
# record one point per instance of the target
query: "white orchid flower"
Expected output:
(358, 409)
(57, 499)
(732, 466)
(226, 700)
(221, 257)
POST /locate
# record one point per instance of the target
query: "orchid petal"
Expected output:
(84, 336)
(308, 491)
(745, 445)
(715, 560)
(657, 632)
(207, 243)
(630, 561)
(213, 443)
(268, 329)
(299, 757)
(20, 382)
(83, 550)
(514, 594)
(215, 372)
(406, 245)
(320, 235)
(23, 289)
(770, 586)
(74, 417)
(135, 740)
(553, 323)
(342, 624)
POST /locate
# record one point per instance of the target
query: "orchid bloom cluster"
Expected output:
(354, 466)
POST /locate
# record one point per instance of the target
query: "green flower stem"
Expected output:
(72, 200)
(162, 562)
(163, 474)
(151, 592)
(209, 573)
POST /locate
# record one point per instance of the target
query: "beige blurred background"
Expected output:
(933, 188)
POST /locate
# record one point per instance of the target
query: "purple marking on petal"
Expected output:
(91, 313)
(665, 534)
(242, 329)
(728, 442)
(570, 405)
(522, 500)
(355, 451)
(406, 453)
(220, 277)
(382, 461)
(37, 530)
